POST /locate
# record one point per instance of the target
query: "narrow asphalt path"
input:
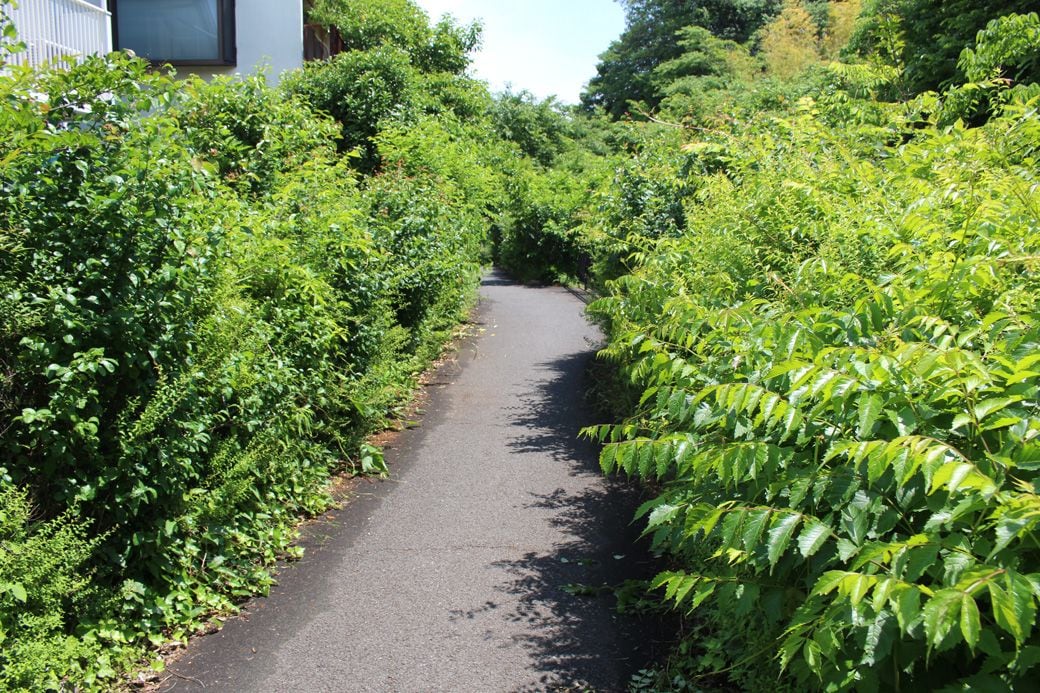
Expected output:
(470, 569)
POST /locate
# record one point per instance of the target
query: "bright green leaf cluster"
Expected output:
(204, 311)
(836, 349)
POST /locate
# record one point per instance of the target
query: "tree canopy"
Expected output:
(368, 24)
(651, 37)
(929, 35)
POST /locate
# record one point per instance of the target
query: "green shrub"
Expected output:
(363, 90)
(840, 403)
(367, 25)
(537, 229)
(43, 584)
(203, 313)
(113, 237)
(249, 132)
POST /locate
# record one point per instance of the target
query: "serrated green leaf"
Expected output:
(879, 462)
(828, 582)
(875, 644)
(780, 536)
(870, 408)
(915, 561)
(683, 588)
(857, 587)
(1023, 602)
(647, 394)
(707, 525)
(732, 528)
(1010, 526)
(1021, 377)
(664, 455)
(1028, 457)
(792, 421)
(940, 615)
(1005, 612)
(703, 591)
(846, 549)
(989, 406)
(647, 506)
(663, 578)
(883, 593)
(646, 459)
(814, 535)
(960, 476)
(676, 404)
(607, 458)
(662, 514)
(971, 623)
(907, 606)
(999, 423)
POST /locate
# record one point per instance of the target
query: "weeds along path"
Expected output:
(460, 573)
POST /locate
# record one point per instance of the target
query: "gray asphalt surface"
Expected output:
(457, 574)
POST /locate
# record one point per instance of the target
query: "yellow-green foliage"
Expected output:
(837, 354)
(44, 581)
(789, 43)
(204, 310)
(841, 23)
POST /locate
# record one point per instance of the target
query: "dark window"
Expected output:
(321, 43)
(184, 32)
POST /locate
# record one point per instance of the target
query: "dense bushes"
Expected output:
(830, 313)
(537, 238)
(927, 36)
(204, 310)
(825, 301)
(844, 422)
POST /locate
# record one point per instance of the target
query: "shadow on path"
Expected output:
(498, 279)
(552, 411)
(563, 594)
(502, 540)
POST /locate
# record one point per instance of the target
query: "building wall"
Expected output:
(268, 32)
(57, 29)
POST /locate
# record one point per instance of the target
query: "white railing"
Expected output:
(54, 28)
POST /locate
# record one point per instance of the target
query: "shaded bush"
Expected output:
(839, 401)
(204, 313)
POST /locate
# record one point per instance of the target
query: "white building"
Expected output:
(204, 37)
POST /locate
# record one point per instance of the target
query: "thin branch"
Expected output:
(680, 126)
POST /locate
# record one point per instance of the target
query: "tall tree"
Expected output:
(369, 24)
(789, 42)
(626, 69)
(736, 20)
(932, 33)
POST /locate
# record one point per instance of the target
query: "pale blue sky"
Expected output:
(548, 47)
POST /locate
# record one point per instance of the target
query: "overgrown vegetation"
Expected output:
(210, 294)
(819, 284)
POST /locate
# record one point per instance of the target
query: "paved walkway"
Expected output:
(457, 574)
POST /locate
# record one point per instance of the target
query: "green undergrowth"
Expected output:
(207, 303)
(837, 347)
(822, 293)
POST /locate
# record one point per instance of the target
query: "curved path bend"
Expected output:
(458, 574)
